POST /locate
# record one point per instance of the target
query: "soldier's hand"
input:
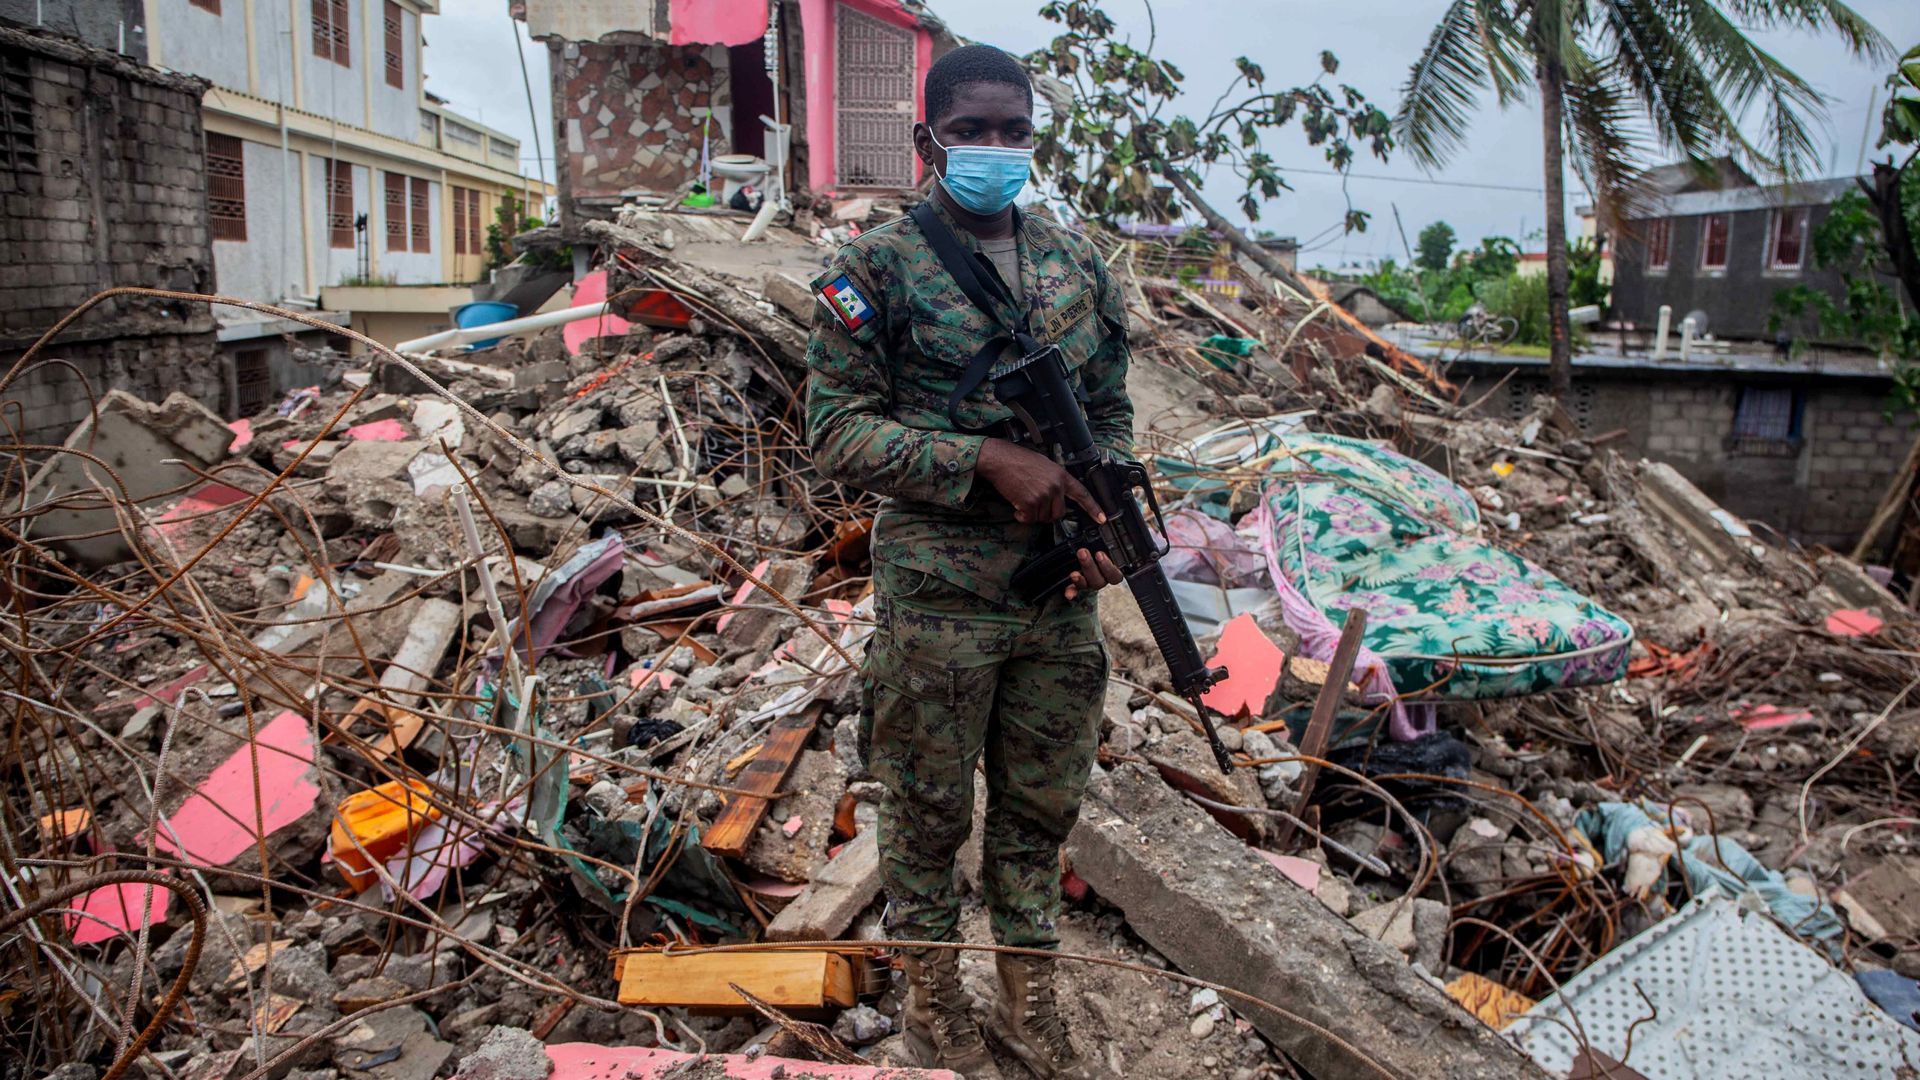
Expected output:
(1035, 484)
(1096, 572)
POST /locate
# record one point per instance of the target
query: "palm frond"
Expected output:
(1861, 38)
(1504, 49)
(1656, 65)
(1443, 87)
(1601, 120)
(1746, 75)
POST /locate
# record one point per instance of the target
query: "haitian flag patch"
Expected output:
(846, 303)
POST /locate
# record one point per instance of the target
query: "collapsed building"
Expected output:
(493, 709)
(488, 706)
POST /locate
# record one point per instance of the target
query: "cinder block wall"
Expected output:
(109, 189)
(1824, 493)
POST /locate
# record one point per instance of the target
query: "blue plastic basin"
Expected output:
(483, 313)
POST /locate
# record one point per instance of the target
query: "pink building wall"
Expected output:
(818, 30)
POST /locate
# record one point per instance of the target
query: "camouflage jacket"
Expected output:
(891, 337)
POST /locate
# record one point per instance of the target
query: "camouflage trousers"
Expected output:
(952, 678)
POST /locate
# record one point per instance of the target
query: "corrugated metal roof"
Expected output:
(1732, 200)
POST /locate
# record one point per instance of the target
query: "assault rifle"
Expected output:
(1048, 418)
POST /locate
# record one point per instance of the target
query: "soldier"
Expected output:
(958, 668)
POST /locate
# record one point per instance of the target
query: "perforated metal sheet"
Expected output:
(1736, 997)
(874, 101)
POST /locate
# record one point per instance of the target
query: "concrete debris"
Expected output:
(309, 677)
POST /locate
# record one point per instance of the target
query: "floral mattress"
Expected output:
(1351, 524)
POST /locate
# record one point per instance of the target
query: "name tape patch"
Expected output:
(1067, 316)
(846, 303)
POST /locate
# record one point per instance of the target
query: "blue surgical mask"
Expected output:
(985, 179)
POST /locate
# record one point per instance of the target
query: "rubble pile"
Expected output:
(466, 708)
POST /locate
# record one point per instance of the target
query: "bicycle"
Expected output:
(1481, 327)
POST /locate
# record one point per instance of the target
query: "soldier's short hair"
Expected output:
(971, 64)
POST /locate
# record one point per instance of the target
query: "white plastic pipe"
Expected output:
(1686, 339)
(1660, 335)
(509, 328)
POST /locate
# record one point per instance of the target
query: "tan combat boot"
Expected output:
(940, 1030)
(1027, 1021)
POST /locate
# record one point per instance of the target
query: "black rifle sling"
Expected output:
(982, 292)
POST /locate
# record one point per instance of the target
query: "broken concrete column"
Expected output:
(835, 897)
(1712, 530)
(147, 446)
(1220, 912)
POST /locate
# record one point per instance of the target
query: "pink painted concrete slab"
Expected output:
(242, 434)
(216, 823)
(716, 22)
(1253, 664)
(163, 696)
(388, 430)
(586, 1061)
(1302, 872)
(592, 289)
(118, 905)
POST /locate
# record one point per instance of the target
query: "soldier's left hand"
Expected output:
(1096, 572)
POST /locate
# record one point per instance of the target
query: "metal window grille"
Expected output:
(421, 221)
(459, 221)
(1713, 242)
(226, 187)
(396, 64)
(339, 203)
(332, 32)
(463, 134)
(396, 212)
(1765, 414)
(1789, 238)
(252, 382)
(1659, 243)
(875, 94)
(475, 236)
(19, 151)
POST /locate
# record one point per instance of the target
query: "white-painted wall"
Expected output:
(198, 42)
(273, 50)
(254, 269)
(327, 88)
(411, 267)
(333, 265)
(396, 110)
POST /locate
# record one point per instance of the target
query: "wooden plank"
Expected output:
(1325, 707)
(796, 980)
(733, 829)
(835, 897)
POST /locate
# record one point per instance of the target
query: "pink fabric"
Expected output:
(591, 289)
(716, 22)
(216, 823)
(588, 1061)
(118, 905)
(1206, 550)
(1319, 637)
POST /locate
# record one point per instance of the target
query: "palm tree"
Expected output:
(1615, 77)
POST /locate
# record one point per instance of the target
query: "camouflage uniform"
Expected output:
(958, 666)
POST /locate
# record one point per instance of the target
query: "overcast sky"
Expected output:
(471, 61)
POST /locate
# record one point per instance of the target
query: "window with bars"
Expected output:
(332, 32)
(396, 212)
(1659, 243)
(467, 237)
(409, 226)
(396, 63)
(1787, 245)
(19, 150)
(226, 187)
(339, 203)
(462, 134)
(1766, 421)
(419, 217)
(1713, 241)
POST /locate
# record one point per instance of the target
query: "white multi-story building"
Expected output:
(332, 174)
